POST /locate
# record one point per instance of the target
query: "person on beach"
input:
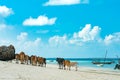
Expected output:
(117, 66)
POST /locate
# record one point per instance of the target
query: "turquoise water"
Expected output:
(90, 64)
(87, 62)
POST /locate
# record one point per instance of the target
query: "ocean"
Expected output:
(87, 62)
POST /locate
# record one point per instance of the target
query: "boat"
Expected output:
(51, 61)
(101, 63)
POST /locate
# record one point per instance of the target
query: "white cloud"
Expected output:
(30, 47)
(22, 36)
(23, 43)
(95, 32)
(5, 27)
(2, 26)
(4, 11)
(65, 2)
(62, 45)
(58, 40)
(29, 44)
(5, 42)
(86, 34)
(108, 39)
(112, 38)
(40, 21)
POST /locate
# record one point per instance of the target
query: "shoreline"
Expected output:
(87, 66)
(13, 71)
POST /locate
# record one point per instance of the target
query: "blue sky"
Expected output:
(61, 28)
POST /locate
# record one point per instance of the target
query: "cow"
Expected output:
(33, 60)
(74, 64)
(69, 64)
(41, 61)
(22, 57)
(60, 62)
(66, 63)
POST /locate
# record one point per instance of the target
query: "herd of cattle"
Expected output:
(40, 61)
(63, 64)
(8, 53)
(33, 59)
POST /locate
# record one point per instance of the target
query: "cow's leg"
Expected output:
(45, 64)
(27, 62)
(38, 64)
(64, 67)
(69, 68)
(59, 66)
(17, 61)
(76, 67)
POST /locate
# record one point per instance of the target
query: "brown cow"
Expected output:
(34, 60)
(74, 64)
(41, 61)
(66, 63)
(22, 57)
(69, 64)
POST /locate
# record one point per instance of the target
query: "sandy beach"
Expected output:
(13, 71)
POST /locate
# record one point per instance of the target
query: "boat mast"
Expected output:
(105, 56)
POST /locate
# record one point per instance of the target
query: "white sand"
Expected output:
(13, 71)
